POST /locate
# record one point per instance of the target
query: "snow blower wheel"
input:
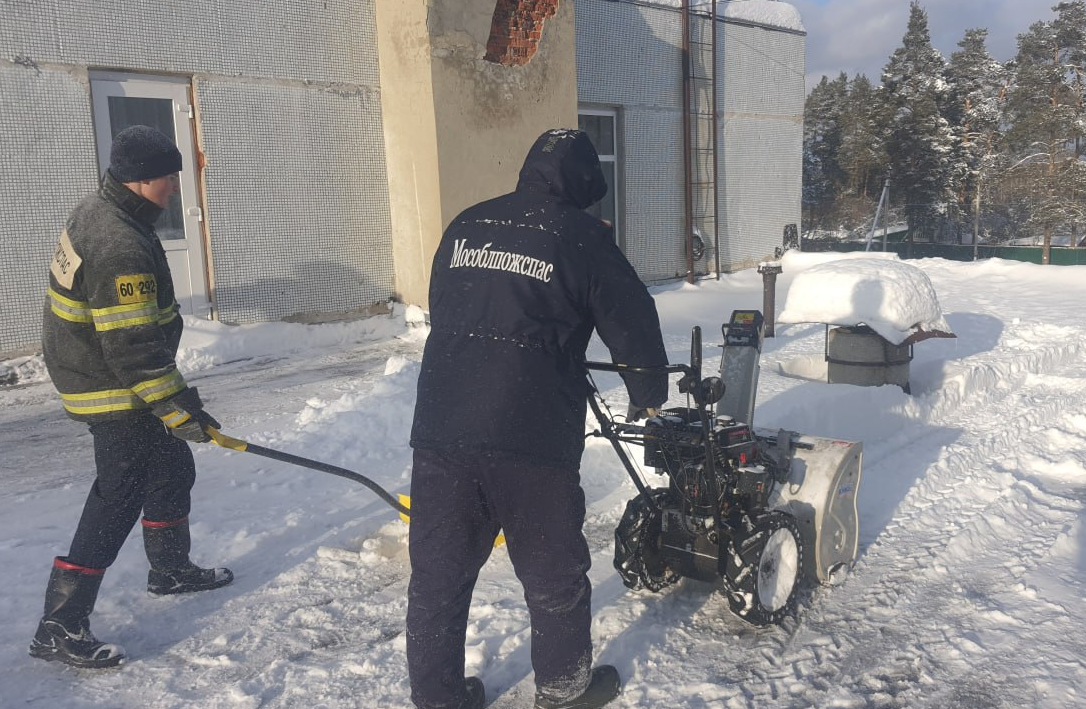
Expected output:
(637, 544)
(763, 569)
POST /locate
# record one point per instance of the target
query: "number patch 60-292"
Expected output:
(136, 288)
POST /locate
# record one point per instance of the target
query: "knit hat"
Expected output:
(143, 153)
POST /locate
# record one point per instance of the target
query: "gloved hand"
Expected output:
(636, 413)
(185, 417)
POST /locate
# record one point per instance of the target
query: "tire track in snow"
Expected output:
(835, 653)
(937, 532)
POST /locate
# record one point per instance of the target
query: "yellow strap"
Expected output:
(176, 418)
(234, 444)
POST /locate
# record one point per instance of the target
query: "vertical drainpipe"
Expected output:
(716, 152)
(769, 273)
(688, 199)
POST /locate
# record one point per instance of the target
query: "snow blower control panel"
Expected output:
(744, 329)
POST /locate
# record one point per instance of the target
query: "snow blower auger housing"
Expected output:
(757, 511)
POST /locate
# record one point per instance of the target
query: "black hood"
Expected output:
(564, 163)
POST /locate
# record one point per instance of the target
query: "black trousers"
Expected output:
(458, 505)
(141, 467)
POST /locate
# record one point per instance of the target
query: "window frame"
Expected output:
(615, 159)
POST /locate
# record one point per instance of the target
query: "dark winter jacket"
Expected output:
(111, 326)
(518, 285)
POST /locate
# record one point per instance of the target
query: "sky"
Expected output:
(858, 36)
(968, 588)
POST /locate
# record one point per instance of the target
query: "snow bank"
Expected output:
(206, 343)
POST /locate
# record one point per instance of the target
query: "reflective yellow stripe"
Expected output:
(107, 400)
(68, 309)
(160, 388)
(102, 402)
(167, 314)
(120, 316)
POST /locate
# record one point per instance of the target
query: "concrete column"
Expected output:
(457, 126)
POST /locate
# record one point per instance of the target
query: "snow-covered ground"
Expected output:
(967, 593)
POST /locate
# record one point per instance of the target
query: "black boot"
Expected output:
(476, 694)
(603, 686)
(167, 545)
(64, 631)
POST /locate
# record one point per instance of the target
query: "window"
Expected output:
(600, 126)
(125, 111)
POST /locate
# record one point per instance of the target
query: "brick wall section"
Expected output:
(516, 30)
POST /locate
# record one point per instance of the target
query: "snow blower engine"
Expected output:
(756, 511)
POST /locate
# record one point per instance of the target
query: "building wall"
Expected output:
(760, 165)
(47, 162)
(411, 138)
(470, 86)
(287, 97)
(629, 58)
(487, 114)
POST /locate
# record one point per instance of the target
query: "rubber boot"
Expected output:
(64, 631)
(476, 694)
(603, 686)
(167, 545)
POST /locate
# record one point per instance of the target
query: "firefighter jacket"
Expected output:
(111, 326)
(518, 285)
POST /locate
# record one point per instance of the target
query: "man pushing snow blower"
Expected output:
(518, 285)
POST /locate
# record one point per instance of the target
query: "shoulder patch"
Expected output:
(136, 288)
(65, 261)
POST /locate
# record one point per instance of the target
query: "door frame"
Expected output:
(188, 256)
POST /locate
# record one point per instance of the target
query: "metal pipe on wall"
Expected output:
(688, 197)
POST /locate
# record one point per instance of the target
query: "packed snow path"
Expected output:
(968, 592)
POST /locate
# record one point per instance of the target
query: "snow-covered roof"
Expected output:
(893, 298)
(771, 13)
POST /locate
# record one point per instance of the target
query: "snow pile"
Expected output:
(22, 370)
(893, 298)
(771, 13)
(763, 12)
(207, 343)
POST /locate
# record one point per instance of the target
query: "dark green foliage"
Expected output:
(970, 145)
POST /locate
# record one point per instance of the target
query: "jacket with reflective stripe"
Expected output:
(111, 326)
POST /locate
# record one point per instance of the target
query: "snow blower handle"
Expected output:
(236, 444)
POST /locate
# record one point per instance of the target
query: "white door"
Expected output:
(123, 100)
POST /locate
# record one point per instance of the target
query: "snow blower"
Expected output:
(755, 511)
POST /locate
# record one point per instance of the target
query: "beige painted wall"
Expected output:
(457, 127)
(407, 102)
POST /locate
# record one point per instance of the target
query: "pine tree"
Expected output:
(920, 142)
(1046, 107)
(822, 174)
(862, 154)
(977, 94)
